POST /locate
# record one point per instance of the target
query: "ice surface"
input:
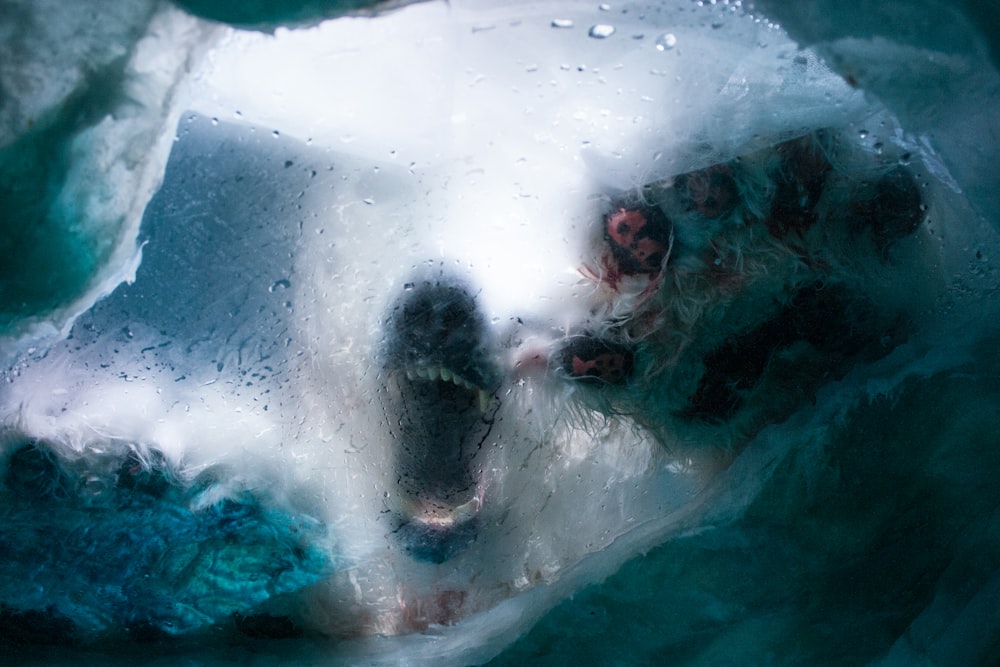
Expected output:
(86, 116)
(319, 174)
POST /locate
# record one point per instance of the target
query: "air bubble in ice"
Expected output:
(601, 30)
(279, 284)
(562, 23)
(666, 41)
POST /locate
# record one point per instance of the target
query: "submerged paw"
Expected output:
(689, 266)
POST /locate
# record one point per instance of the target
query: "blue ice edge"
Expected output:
(130, 550)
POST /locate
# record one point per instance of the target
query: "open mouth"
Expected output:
(439, 400)
(445, 375)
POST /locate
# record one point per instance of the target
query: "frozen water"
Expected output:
(230, 356)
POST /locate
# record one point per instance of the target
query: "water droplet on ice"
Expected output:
(666, 41)
(562, 23)
(863, 134)
(601, 30)
(275, 134)
(604, 7)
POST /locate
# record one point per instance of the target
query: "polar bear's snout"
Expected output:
(441, 378)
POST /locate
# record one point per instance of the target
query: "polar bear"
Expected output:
(709, 304)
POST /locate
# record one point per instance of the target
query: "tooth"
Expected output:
(422, 373)
(410, 374)
(446, 374)
(433, 373)
(484, 400)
